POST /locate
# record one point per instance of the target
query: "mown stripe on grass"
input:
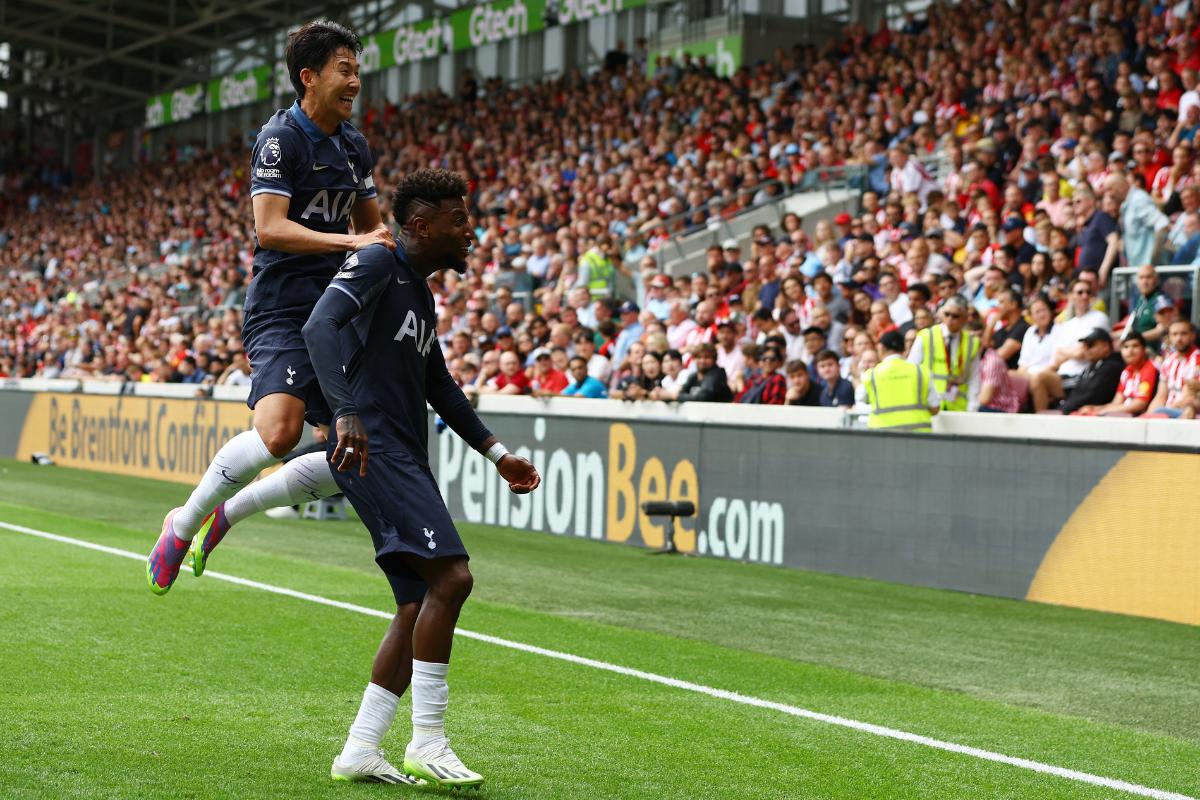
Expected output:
(722, 694)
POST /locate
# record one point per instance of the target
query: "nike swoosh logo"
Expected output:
(319, 167)
(401, 283)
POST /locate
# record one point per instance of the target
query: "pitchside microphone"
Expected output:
(669, 509)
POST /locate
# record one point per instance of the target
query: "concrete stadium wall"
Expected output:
(1041, 510)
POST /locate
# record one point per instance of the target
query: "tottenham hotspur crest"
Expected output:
(291, 374)
(429, 536)
(271, 153)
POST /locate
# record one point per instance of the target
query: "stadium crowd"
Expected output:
(1066, 130)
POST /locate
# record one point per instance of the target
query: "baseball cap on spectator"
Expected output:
(1097, 335)
(540, 352)
(1013, 224)
(791, 149)
(730, 244)
(661, 281)
(503, 331)
(728, 322)
(893, 340)
(1030, 166)
(628, 307)
(909, 230)
(1162, 303)
(934, 233)
(735, 299)
(842, 219)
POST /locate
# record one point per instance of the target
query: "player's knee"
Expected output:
(280, 436)
(454, 587)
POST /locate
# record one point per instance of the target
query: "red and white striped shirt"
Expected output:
(1178, 368)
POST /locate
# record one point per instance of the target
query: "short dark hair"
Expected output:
(707, 348)
(313, 44)
(921, 289)
(430, 186)
(580, 359)
(827, 355)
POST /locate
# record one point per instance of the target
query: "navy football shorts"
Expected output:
(279, 363)
(401, 505)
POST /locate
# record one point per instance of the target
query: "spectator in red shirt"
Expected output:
(546, 381)
(511, 379)
(1178, 368)
(1139, 382)
(997, 392)
(771, 387)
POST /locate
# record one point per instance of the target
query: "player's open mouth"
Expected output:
(347, 99)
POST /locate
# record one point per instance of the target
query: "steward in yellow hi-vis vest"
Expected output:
(599, 269)
(951, 354)
(900, 394)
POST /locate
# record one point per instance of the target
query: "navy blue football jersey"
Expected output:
(393, 362)
(323, 176)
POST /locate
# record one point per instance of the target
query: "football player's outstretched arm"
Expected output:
(452, 406)
(276, 232)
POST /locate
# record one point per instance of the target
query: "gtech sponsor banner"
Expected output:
(177, 106)
(596, 475)
(571, 11)
(148, 437)
(240, 88)
(724, 55)
(466, 28)
(491, 23)
(412, 42)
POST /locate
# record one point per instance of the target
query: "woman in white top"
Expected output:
(1037, 348)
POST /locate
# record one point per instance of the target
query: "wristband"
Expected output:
(495, 453)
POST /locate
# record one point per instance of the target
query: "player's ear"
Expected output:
(308, 78)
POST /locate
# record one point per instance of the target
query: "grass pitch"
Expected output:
(225, 691)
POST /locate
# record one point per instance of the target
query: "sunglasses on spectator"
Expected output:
(770, 357)
(952, 314)
(1082, 293)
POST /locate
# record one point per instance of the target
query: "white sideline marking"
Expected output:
(734, 697)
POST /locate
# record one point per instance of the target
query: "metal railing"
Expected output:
(1178, 282)
(827, 179)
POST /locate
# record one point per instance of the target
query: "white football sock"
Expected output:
(234, 466)
(375, 716)
(308, 477)
(430, 695)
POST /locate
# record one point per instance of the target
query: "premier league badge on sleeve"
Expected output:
(271, 153)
